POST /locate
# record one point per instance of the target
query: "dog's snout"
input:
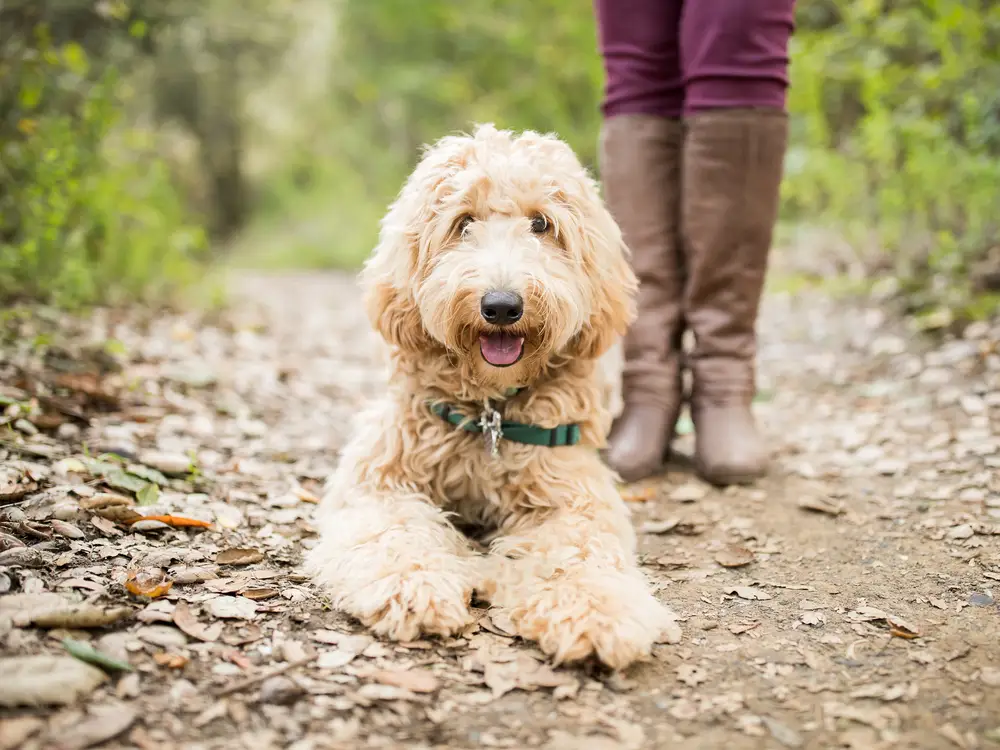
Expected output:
(501, 308)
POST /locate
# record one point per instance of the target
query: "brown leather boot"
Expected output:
(733, 163)
(640, 169)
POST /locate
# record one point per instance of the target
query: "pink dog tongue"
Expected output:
(501, 349)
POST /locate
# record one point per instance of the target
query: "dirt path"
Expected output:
(845, 602)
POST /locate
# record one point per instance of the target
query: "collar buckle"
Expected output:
(491, 423)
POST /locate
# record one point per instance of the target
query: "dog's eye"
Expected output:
(539, 224)
(463, 224)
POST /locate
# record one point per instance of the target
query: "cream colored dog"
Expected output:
(499, 280)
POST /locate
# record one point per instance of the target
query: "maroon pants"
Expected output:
(676, 57)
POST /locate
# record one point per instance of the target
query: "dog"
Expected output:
(498, 282)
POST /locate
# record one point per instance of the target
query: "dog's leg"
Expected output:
(568, 579)
(395, 563)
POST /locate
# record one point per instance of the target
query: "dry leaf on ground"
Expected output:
(80, 616)
(46, 680)
(181, 522)
(734, 556)
(239, 557)
(748, 592)
(659, 527)
(103, 723)
(232, 607)
(171, 661)
(897, 626)
(258, 594)
(688, 493)
(185, 620)
(151, 582)
(414, 680)
(15, 731)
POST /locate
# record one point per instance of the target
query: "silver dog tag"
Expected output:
(490, 423)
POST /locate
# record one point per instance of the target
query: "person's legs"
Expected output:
(735, 59)
(640, 168)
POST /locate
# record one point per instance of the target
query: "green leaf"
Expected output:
(75, 58)
(149, 494)
(87, 653)
(121, 480)
(148, 473)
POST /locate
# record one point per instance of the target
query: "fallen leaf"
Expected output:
(144, 525)
(688, 493)
(305, 495)
(819, 504)
(171, 661)
(148, 495)
(990, 676)
(743, 627)
(86, 652)
(951, 734)
(639, 494)
(244, 635)
(522, 673)
(104, 723)
(414, 680)
(335, 659)
(232, 607)
(347, 642)
(105, 526)
(150, 582)
(257, 594)
(23, 557)
(68, 530)
(197, 574)
(124, 514)
(226, 585)
(897, 626)
(239, 556)
(178, 521)
(659, 527)
(46, 680)
(175, 464)
(105, 500)
(734, 556)
(15, 731)
(748, 592)
(80, 616)
(782, 732)
(186, 621)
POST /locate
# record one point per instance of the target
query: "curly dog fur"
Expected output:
(494, 210)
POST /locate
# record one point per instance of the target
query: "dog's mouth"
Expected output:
(501, 349)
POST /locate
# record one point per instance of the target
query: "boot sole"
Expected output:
(728, 479)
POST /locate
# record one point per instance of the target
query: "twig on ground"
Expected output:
(249, 682)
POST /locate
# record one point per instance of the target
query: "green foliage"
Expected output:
(87, 211)
(897, 142)
(406, 74)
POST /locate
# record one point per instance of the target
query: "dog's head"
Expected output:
(500, 249)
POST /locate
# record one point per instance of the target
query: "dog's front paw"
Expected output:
(404, 606)
(599, 612)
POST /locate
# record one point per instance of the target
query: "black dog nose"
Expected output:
(501, 308)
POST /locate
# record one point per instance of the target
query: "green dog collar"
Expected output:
(494, 429)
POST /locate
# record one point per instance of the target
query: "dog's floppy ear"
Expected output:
(391, 275)
(388, 282)
(613, 284)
